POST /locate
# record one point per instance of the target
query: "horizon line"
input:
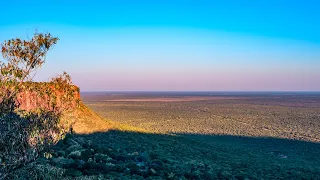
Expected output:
(214, 91)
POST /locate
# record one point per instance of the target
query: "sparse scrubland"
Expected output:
(273, 137)
(48, 132)
(282, 116)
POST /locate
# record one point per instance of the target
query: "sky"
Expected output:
(179, 45)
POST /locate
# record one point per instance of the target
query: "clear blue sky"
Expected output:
(175, 45)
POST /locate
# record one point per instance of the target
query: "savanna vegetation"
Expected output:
(241, 137)
(282, 116)
(56, 136)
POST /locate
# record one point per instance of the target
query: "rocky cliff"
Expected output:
(48, 96)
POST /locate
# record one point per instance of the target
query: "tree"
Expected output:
(23, 135)
(22, 59)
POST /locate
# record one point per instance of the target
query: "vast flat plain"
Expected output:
(234, 135)
(256, 114)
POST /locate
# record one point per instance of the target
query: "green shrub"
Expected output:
(37, 171)
(73, 173)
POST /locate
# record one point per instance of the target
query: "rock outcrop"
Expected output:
(48, 96)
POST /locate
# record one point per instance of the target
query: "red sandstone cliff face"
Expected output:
(48, 96)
